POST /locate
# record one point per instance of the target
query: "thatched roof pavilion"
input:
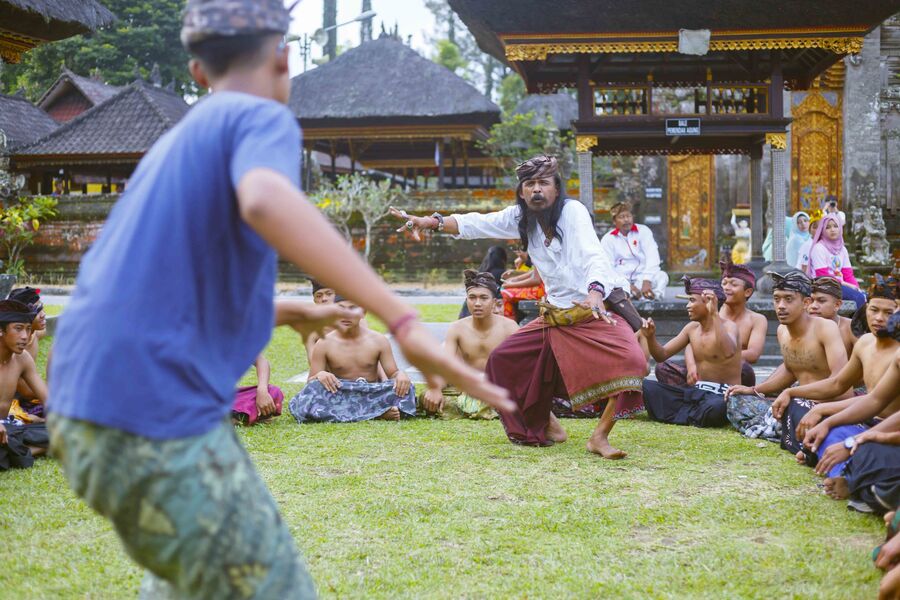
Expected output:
(387, 107)
(25, 24)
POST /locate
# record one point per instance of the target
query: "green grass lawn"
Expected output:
(450, 509)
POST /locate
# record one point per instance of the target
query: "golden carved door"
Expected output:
(816, 149)
(691, 213)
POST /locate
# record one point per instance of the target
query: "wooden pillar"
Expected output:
(333, 155)
(440, 158)
(757, 210)
(453, 145)
(585, 92)
(466, 168)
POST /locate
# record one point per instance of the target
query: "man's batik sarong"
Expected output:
(874, 470)
(702, 405)
(793, 414)
(244, 408)
(355, 401)
(674, 372)
(192, 511)
(20, 438)
(463, 406)
(588, 362)
(26, 410)
(752, 416)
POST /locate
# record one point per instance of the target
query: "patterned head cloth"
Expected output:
(538, 168)
(316, 285)
(27, 295)
(827, 285)
(620, 207)
(698, 286)
(794, 281)
(205, 19)
(13, 311)
(473, 278)
(893, 328)
(881, 287)
(742, 272)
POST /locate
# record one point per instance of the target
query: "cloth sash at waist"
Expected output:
(596, 359)
(560, 317)
(712, 386)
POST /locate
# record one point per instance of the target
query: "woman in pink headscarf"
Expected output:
(828, 257)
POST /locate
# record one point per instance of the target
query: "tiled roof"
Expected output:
(561, 107)
(385, 78)
(95, 91)
(128, 123)
(23, 122)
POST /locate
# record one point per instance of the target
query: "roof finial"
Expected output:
(155, 76)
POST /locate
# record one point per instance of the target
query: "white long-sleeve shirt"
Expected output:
(633, 254)
(567, 266)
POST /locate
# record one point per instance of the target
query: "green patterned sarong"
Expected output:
(462, 406)
(193, 512)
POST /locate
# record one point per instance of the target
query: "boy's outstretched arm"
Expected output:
(281, 215)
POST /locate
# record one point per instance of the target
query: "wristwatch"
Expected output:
(440, 220)
(850, 442)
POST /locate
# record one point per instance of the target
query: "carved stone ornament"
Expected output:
(874, 247)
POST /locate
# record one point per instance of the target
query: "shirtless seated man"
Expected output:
(472, 338)
(871, 357)
(19, 442)
(876, 466)
(716, 346)
(343, 383)
(738, 283)
(812, 351)
(325, 295)
(26, 407)
(826, 302)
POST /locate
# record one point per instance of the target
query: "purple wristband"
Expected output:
(595, 286)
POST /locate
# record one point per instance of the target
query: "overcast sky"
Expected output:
(411, 16)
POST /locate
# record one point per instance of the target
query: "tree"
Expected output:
(483, 70)
(517, 138)
(336, 206)
(146, 32)
(19, 224)
(448, 55)
(512, 90)
(329, 19)
(374, 204)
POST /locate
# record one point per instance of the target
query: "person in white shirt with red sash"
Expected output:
(634, 255)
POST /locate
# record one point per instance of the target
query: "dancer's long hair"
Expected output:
(554, 213)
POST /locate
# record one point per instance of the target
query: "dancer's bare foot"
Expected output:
(801, 458)
(836, 487)
(599, 444)
(555, 431)
(391, 414)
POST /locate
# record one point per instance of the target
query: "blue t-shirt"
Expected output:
(175, 299)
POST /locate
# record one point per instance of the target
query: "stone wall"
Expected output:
(62, 241)
(862, 128)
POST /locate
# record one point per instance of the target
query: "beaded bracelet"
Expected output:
(402, 323)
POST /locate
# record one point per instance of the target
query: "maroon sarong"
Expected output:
(586, 363)
(245, 403)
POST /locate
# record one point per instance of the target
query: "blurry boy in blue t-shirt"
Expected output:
(175, 300)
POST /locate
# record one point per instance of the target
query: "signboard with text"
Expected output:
(682, 127)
